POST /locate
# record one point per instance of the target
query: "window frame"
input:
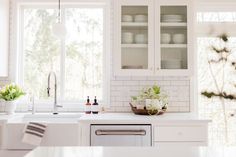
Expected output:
(17, 18)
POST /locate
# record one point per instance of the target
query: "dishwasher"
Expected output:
(120, 135)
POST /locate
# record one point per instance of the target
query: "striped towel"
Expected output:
(33, 133)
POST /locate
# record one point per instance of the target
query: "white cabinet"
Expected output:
(180, 134)
(57, 134)
(153, 37)
(4, 40)
(134, 37)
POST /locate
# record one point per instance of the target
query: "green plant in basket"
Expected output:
(155, 100)
(11, 92)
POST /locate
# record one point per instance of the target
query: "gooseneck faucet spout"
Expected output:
(55, 106)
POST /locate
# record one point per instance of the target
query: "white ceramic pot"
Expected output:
(127, 18)
(127, 38)
(10, 106)
(154, 103)
(140, 18)
(165, 38)
(178, 38)
(140, 38)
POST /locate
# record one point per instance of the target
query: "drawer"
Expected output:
(180, 133)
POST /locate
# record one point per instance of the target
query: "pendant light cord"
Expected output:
(59, 11)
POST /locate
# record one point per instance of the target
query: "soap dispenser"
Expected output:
(95, 108)
(88, 106)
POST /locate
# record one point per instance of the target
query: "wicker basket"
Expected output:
(146, 112)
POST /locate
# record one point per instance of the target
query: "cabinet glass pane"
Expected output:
(134, 37)
(173, 37)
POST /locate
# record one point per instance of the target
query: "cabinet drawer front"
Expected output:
(180, 133)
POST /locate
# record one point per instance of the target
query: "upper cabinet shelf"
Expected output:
(134, 45)
(134, 24)
(173, 24)
(173, 45)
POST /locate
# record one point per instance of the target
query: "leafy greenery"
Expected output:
(158, 99)
(153, 92)
(11, 92)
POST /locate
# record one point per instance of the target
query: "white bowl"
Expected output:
(127, 37)
(178, 38)
(165, 38)
(171, 18)
(140, 38)
(171, 64)
(140, 18)
(127, 18)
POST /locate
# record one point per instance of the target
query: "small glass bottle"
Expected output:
(88, 106)
(95, 106)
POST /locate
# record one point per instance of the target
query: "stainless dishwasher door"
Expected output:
(120, 135)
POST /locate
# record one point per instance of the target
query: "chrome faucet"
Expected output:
(55, 106)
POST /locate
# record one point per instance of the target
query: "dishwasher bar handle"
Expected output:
(120, 132)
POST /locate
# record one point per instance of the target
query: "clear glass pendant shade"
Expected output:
(59, 29)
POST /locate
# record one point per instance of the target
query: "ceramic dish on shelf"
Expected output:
(171, 18)
(127, 38)
(171, 64)
(140, 38)
(127, 18)
(165, 38)
(140, 18)
(178, 38)
(132, 67)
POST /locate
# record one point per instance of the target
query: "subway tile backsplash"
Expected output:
(177, 88)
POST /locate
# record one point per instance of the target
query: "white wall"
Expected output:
(4, 32)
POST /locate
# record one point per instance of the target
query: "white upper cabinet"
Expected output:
(134, 37)
(153, 37)
(4, 37)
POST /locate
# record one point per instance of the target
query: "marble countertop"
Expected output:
(102, 118)
(130, 118)
(133, 152)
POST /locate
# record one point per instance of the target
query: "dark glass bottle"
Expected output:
(88, 106)
(95, 106)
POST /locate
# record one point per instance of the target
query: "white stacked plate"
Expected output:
(172, 18)
(171, 64)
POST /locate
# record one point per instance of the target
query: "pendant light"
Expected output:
(59, 29)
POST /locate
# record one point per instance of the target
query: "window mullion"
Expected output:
(63, 57)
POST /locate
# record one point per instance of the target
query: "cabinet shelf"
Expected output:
(173, 45)
(134, 24)
(134, 45)
(174, 24)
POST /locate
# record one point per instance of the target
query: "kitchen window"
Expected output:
(79, 59)
(210, 24)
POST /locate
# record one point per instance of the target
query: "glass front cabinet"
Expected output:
(153, 37)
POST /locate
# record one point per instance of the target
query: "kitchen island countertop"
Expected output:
(133, 152)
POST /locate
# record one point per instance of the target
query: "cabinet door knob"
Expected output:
(180, 133)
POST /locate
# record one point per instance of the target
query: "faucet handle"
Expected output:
(59, 106)
(48, 91)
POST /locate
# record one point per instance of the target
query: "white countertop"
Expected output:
(132, 118)
(132, 152)
(102, 118)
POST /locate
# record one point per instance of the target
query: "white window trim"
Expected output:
(16, 60)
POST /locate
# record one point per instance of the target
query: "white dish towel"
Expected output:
(33, 133)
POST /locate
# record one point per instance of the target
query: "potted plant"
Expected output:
(152, 98)
(10, 94)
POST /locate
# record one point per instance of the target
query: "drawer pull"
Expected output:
(120, 132)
